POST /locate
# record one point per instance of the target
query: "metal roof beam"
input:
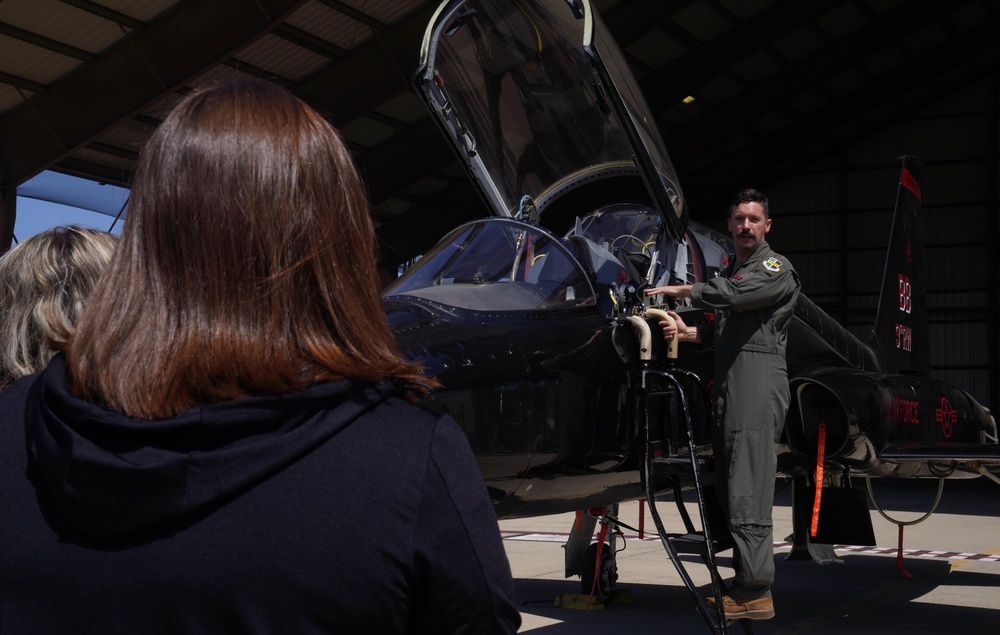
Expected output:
(807, 139)
(99, 94)
(429, 221)
(629, 21)
(20, 82)
(682, 77)
(108, 14)
(354, 14)
(46, 43)
(728, 119)
(407, 157)
(309, 41)
(379, 69)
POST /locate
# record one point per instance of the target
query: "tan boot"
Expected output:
(737, 609)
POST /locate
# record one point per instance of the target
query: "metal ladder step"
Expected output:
(681, 469)
(694, 543)
(681, 465)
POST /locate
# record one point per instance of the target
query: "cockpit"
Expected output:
(500, 265)
(505, 265)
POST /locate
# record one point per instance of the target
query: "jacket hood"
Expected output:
(113, 475)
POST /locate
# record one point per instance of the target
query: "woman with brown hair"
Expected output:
(227, 443)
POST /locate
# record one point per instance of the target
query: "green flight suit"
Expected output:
(754, 301)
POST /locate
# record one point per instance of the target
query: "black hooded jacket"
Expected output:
(340, 509)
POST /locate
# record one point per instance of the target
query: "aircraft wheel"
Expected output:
(607, 574)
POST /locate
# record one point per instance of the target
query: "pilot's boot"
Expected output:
(738, 609)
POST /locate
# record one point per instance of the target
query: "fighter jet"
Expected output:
(550, 357)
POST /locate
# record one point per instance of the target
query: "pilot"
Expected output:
(754, 299)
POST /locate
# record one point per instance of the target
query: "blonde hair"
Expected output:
(44, 282)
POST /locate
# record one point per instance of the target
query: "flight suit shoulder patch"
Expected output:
(773, 264)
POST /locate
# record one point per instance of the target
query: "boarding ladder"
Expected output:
(686, 470)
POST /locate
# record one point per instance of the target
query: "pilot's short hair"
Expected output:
(749, 195)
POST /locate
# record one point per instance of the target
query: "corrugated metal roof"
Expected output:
(657, 49)
(762, 73)
(142, 10)
(800, 43)
(62, 23)
(405, 107)
(759, 66)
(33, 63)
(282, 58)
(331, 25)
(844, 20)
(744, 9)
(366, 132)
(702, 21)
(384, 11)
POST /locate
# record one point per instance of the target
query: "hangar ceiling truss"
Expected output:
(742, 88)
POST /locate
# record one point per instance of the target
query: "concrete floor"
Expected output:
(954, 591)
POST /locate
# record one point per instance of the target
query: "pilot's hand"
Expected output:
(672, 291)
(682, 330)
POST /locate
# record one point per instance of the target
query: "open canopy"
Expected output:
(535, 96)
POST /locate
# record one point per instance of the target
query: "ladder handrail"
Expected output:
(718, 623)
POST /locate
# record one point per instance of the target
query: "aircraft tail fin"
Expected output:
(900, 333)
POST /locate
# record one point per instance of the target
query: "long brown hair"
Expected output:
(246, 265)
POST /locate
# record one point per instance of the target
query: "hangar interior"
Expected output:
(811, 102)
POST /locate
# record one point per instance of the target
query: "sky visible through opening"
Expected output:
(51, 199)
